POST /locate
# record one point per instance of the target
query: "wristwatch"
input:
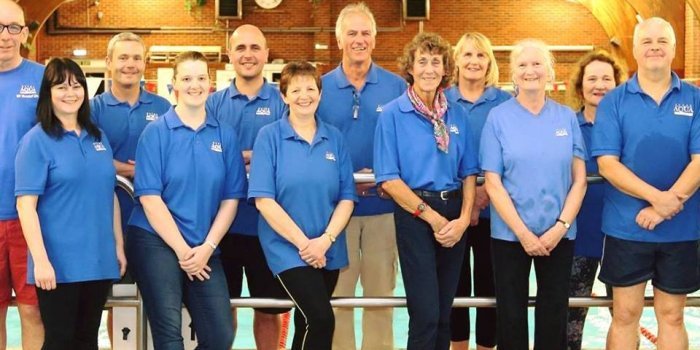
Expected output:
(420, 209)
(566, 224)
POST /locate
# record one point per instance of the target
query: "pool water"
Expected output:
(597, 324)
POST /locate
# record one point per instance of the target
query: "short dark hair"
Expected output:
(429, 43)
(297, 69)
(58, 71)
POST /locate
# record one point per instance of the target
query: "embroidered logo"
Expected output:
(379, 109)
(216, 146)
(150, 116)
(330, 156)
(454, 129)
(264, 111)
(683, 109)
(27, 91)
(561, 133)
(99, 147)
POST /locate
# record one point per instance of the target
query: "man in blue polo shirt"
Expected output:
(248, 104)
(647, 140)
(353, 96)
(20, 80)
(124, 109)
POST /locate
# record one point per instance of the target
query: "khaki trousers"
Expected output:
(373, 261)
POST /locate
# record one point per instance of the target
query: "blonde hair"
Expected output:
(125, 36)
(483, 44)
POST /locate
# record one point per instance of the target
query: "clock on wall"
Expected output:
(268, 4)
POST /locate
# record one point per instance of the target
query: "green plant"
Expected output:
(190, 4)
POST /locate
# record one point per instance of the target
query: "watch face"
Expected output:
(268, 4)
(421, 207)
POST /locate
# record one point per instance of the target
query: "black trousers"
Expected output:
(71, 314)
(478, 243)
(310, 289)
(512, 274)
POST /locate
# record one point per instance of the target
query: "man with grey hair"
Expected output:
(20, 81)
(647, 142)
(353, 96)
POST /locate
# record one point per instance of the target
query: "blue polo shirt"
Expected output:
(355, 113)
(477, 113)
(655, 142)
(589, 237)
(405, 148)
(246, 116)
(533, 154)
(308, 181)
(19, 93)
(123, 124)
(74, 178)
(192, 170)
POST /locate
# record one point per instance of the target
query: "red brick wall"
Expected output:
(692, 44)
(504, 21)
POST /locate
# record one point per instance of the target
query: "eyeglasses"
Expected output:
(11, 28)
(355, 104)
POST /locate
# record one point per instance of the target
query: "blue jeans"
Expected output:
(430, 275)
(164, 287)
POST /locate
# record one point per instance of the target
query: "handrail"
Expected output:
(142, 343)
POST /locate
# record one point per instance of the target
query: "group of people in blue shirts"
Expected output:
(297, 225)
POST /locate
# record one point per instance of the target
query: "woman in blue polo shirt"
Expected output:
(424, 158)
(188, 182)
(532, 155)
(596, 73)
(302, 183)
(476, 90)
(64, 183)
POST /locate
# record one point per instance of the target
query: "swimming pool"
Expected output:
(594, 334)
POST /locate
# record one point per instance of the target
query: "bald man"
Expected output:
(20, 80)
(647, 142)
(248, 104)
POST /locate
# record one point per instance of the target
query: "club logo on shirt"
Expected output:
(27, 91)
(454, 129)
(264, 111)
(216, 146)
(150, 116)
(683, 109)
(99, 147)
(379, 109)
(330, 156)
(561, 133)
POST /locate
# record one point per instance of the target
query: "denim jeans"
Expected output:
(430, 275)
(511, 267)
(164, 287)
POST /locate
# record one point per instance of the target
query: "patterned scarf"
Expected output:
(442, 137)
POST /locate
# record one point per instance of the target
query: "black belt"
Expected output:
(444, 195)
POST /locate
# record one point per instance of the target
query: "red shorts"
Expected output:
(13, 265)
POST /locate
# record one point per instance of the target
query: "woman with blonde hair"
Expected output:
(476, 89)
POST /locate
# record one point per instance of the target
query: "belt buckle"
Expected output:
(443, 195)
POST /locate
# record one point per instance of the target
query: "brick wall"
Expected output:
(692, 44)
(504, 21)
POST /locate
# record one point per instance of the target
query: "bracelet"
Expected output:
(330, 237)
(211, 244)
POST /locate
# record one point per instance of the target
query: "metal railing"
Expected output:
(142, 339)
